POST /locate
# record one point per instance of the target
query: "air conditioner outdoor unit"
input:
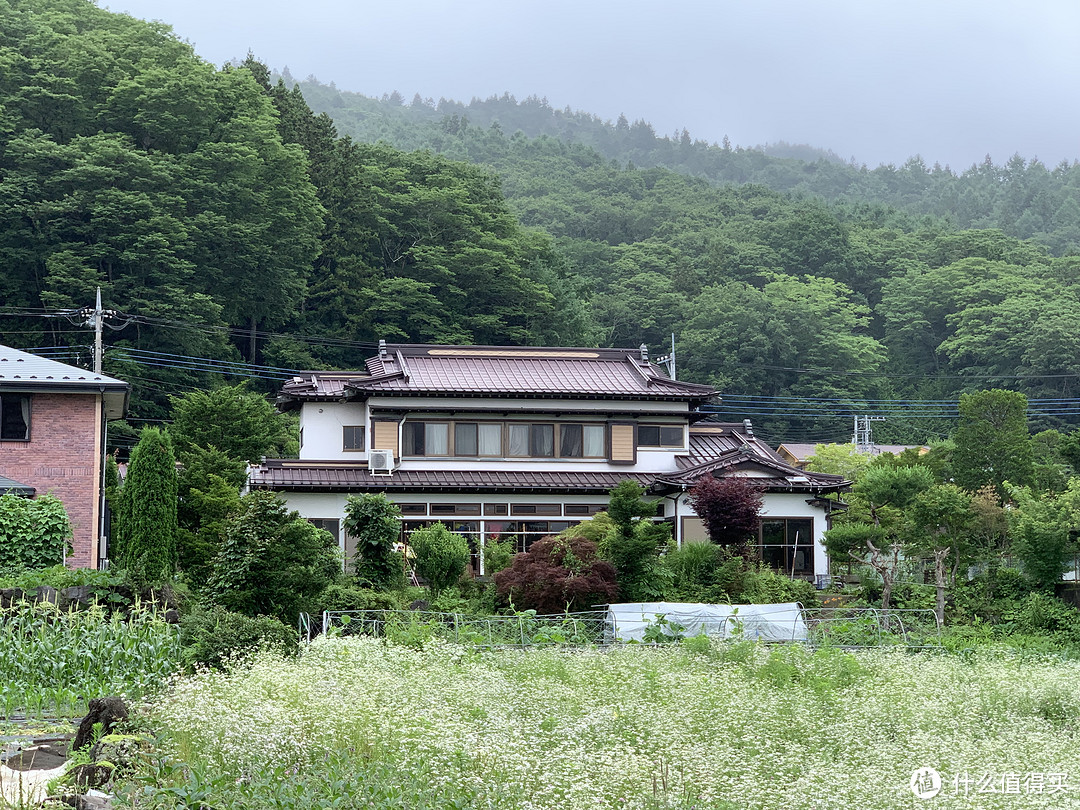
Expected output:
(381, 462)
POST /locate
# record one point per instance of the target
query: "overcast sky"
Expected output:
(877, 80)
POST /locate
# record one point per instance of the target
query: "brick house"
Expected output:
(518, 443)
(52, 438)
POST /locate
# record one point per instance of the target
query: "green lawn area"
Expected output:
(356, 722)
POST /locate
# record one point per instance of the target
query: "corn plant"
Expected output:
(53, 661)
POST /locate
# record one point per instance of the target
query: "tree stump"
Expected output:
(108, 711)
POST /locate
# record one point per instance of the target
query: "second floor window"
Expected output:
(660, 436)
(15, 417)
(505, 440)
(352, 437)
(427, 439)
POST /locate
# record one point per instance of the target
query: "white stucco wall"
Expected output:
(321, 424)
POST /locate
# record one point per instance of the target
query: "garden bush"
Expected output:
(1040, 613)
(557, 574)
(373, 521)
(348, 597)
(213, 636)
(441, 556)
(498, 555)
(763, 586)
(272, 561)
(34, 533)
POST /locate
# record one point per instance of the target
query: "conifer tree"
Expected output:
(148, 545)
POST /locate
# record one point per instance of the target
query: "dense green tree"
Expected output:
(632, 543)
(272, 562)
(374, 523)
(441, 556)
(940, 520)
(873, 531)
(992, 441)
(839, 459)
(240, 423)
(1044, 529)
(147, 545)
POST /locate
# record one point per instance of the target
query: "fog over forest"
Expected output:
(877, 82)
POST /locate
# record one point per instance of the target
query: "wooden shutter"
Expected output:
(623, 445)
(384, 436)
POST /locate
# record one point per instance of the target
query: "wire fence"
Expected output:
(524, 629)
(835, 627)
(872, 627)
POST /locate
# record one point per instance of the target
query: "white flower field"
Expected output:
(359, 723)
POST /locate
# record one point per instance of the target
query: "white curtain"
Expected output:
(26, 416)
(437, 439)
(490, 440)
(519, 440)
(594, 440)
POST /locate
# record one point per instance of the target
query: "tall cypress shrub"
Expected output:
(148, 548)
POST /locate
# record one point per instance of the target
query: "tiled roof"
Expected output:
(318, 385)
(329, 477)
(22, 371)
(778, 474)
(483, 370)
(18, 368)
(710, 440)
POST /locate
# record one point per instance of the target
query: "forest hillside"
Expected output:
(238, 231)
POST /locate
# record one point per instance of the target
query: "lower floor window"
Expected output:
(787, 545)
(520, 533)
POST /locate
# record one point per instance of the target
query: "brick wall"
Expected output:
(61, 458)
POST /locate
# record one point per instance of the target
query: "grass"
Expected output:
(359, 723)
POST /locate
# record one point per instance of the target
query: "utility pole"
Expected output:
(97, 333)
(96, 318)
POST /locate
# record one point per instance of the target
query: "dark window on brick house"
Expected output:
(15, 417)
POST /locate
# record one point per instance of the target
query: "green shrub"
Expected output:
(763, 586)
(213, 636)
(441, 556)
(373, 521)
(272, 561)
(60, 577)
(703, 572)
(498, 554)
(450, 600)
(1042, 614)
(34, 533)
(347, 597)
